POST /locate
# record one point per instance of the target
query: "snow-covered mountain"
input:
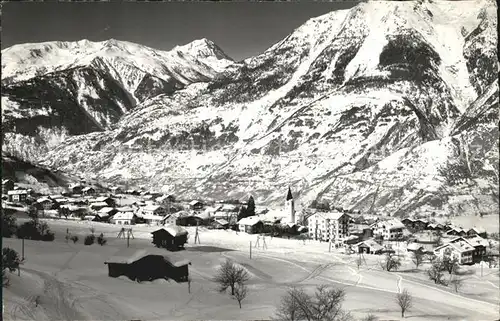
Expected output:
(80, 87)
(389, 107)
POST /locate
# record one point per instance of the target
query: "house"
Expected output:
(165, 199)
(148, 265)
(250, 225)
(106, 199)
(19, 195)
(88, 190)
(435, 227)
(191, 220)
(98, 205)
(456, 231)
(124, 218)
(480, 245)
(415, 247)
(46, 203)
(152, 219)
(476, 231)
(154, 210)
(196, 205)
(116, 190)
(460, 250)
(76, 188)
(170, 219)
(220, 223)
(362, 231)
(369, 247)
(7, 185)
(105, 213)
(389, 230)
(330, 226)
(171, 237)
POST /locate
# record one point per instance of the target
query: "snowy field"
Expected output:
(71, 281)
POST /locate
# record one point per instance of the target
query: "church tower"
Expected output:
(290, 206)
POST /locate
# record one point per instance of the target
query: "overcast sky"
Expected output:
(241, 29)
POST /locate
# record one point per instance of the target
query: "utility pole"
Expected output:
(250, 249)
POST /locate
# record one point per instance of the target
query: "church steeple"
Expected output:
(289, 196)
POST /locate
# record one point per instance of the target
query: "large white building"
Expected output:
(389, 230)
(330, 226)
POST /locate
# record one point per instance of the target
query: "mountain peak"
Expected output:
(203, 48)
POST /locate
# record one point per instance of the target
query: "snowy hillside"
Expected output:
(389, 107)
(81, 87)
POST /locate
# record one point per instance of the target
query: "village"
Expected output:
(346, 231)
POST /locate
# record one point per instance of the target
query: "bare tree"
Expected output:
(240, 293)
(324, 305)
(229, 275)
(450, 264)
(418, 258)
(370, 317)
(435, 272)
(405, 301)
(391, 262)
(456, 282)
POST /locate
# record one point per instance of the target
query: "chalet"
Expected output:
(170, 219)
(116, 190)
(148, 265)
(435, 227)
(19, 195)
(133, 192)
(476, 231)
(329, 226)
(196, 205)
(389, 230)
(152, 219)
(460, 250)
(104, 214)
(98, 205)
(124, 218)
(171, 237)
(7, 185)
(154, 210)
(480, 245)
(415, 224)
(362, 231)
(415, 247)
(76, 188)
(165, 199)
(220, 223)
(251, 224)
(46, 203)
(369, 247)
(106, 199)
(88, 190)
(191, 220)
(456, 231)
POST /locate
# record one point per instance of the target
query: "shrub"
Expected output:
(48, 236)
(10, 259)
(101, 240)
(74, 238)
(9, 226)
(89, 239)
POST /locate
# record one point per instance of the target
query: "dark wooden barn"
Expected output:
(171, 237)
(190, 220)
(148, 265)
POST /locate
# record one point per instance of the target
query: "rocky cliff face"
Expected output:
(54, 89)
(390, 107)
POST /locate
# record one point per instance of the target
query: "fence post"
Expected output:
(250, 249)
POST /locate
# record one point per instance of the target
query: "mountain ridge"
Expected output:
(360, 107)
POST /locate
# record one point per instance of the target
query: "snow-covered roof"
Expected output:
(153, 217)
(195, 202)
(175, 230)
(5, 181)
(106, 210)
(459, 245)
(128, 256)
(124, 209)
(221, 221)
(478, 241)
(43, 200)
(152, 207)
(330, 215)
(17, 192)
(102, 198)
(88, 188)
(478, 230)
(374, 246)
(251, 220)
(123, 216)
(97, 204)
(56, 196)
